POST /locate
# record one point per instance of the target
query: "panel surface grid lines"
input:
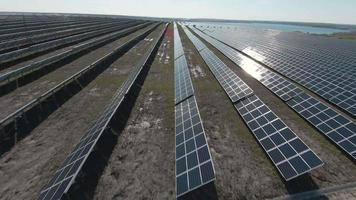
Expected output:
(183, 82)
(194, 166)
(178, 48)
(232, 84)
(235, 88)
(273, 81)
(337, 128)
(63, 178)
(291, 156)
(330, 75)
(65, 175)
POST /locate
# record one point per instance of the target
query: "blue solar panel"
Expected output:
(273, 81)
(291, 156)
(287, 91)
(194, 166)
(232, 84)
(178, 48)
(66, 175)
(327, 69)
(336, 127)
(183, 82)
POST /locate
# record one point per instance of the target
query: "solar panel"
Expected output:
(178, 48)
(232, 84)
(336, 127)
(327, 71)
(65, 176)
(183, 82)
(199, 45)
(291, 156)
(194, 166)
(235, 88)
(274, 82)
(287, 91)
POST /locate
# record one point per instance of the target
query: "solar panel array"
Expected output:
(291, 156)
(20, 72)
(65, 176)
(287, 151)
(325, 66)
(183, 82)
(336, 127)
(199, 45)
(235, 88)
(40, 47)
(194, 166)
(276, 83)
(9, 125)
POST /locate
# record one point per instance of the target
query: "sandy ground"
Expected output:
(243, 170)
(142, 163)
(32, 162)
(16, 99)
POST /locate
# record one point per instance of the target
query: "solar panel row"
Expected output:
(20, 72)
(20, 53)
(65, 176)
(235, 88)
(199, 45)
(287, 151)
(340, 130)
(291, 156)
(183, 82)
(330, 77)
(194, 166)
(273, 81)
(336, 127)
(178, 48)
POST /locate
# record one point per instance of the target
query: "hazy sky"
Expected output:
(330, 11)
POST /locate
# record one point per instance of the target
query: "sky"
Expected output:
(326, 11)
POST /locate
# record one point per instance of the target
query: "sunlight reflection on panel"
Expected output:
(251, 67)
(251, 52)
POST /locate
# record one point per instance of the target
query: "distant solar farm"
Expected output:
(113, 107)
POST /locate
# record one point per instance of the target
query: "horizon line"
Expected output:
(180, 18)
